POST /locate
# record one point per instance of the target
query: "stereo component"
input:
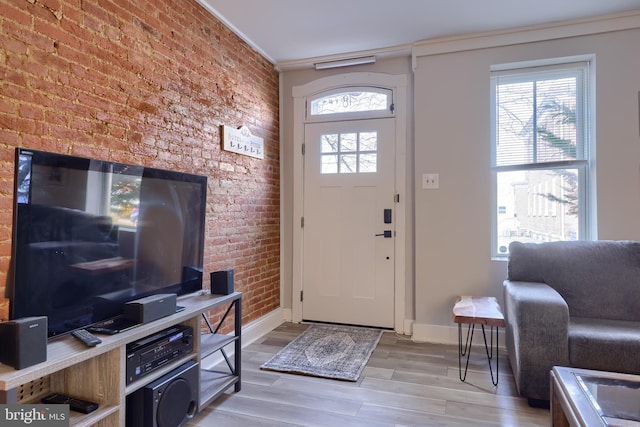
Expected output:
(148, 354)
(148, 309)
(23, 342)
(170, 401)
(222, 282)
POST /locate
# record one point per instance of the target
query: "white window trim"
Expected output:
(587, 185)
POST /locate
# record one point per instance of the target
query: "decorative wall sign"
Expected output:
(241, 141)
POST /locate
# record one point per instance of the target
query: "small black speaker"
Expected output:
(170, 401)
(222, 282)
(23, 342)
(148, 309)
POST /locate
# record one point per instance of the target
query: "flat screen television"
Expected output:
(90, 235)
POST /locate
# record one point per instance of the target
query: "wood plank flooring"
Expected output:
(404, 384)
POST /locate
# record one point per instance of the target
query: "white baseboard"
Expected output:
(449, 334)
(423, 332)
(260, 327)
(408, 327)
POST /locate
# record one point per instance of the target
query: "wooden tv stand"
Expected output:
(98, 373)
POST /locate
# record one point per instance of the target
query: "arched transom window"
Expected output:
(354, 101)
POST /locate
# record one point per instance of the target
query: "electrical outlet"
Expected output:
(430, 181)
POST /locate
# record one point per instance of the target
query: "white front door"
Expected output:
(349, 217)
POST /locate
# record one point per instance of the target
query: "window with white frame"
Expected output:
(541, 154)
(351, 152)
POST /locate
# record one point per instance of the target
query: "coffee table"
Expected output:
(583, 397)
(483, 311)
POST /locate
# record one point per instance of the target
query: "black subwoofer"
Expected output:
(170, 401)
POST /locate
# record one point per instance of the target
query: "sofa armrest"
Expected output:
(537, 334)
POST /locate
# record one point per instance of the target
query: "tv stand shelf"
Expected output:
(98, 373)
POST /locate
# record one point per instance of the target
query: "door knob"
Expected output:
(386, 234)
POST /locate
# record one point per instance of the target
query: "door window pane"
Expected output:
(329, 163)
(356, 151)
(348, 142)
(329, 143)
(348, 163)
(367, 163)
(368, 141)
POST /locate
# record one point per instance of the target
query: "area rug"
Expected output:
(327, 351)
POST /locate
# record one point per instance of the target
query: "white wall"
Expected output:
(451, 253)
(453, 139)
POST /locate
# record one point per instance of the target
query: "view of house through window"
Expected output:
(541, 156)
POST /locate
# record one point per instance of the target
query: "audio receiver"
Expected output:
(150, 353)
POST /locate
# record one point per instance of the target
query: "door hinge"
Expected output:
(303, 145)
(397, 198)
(301, 296)
(392, 108)
(302, 222)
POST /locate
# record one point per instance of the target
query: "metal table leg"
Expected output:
(466, 351)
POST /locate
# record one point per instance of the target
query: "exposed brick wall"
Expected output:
(148, 82)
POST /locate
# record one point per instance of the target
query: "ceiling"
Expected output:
(303, 30)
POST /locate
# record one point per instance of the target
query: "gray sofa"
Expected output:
(571, 304)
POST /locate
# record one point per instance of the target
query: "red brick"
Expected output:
(18, 15)
(31, 112)
(57, 34)
(148, 83)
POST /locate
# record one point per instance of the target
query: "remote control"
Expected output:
(86, 337)
(99, 330)
(77, 405)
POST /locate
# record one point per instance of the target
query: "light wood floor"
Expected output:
(404, 384)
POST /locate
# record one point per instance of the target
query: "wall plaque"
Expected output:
(241, 141)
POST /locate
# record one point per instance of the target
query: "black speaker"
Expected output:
(23, 342)
(222, 282)
(170, 401)
(148, 309)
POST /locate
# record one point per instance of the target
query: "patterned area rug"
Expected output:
(328, 351)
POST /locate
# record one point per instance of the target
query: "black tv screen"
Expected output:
(90, 235)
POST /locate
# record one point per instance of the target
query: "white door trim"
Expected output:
(397, 83)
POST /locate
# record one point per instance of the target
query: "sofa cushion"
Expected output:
(596, 278)
(606, 345)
